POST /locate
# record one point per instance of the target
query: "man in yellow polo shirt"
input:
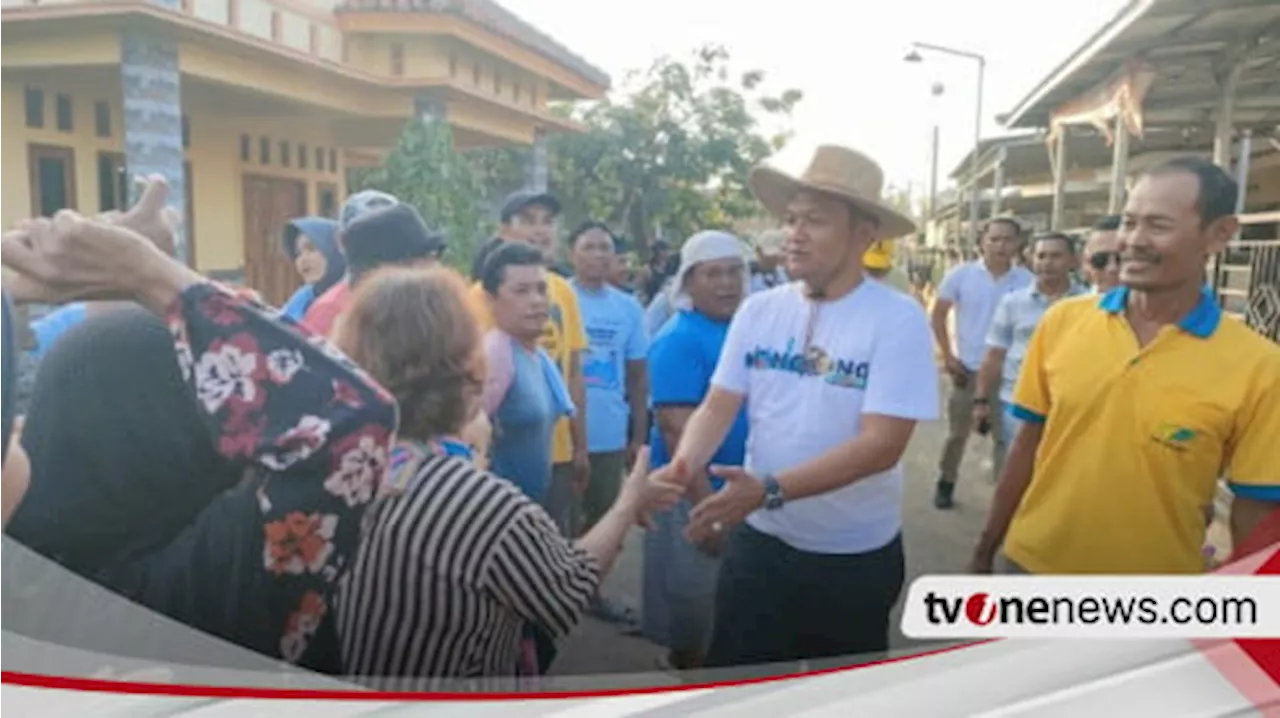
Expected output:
(530, 217)
(1136, 402)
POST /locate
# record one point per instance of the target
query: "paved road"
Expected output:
(936, 542)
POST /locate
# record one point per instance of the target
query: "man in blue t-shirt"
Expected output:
(679, 578)
(613, 368)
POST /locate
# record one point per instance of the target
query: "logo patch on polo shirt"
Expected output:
(1174, 436)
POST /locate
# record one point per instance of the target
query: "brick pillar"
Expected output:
(152, 89)
(536, 172)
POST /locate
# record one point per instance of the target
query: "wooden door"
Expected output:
(269, 203)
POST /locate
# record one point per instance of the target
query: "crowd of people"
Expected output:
(405, 474)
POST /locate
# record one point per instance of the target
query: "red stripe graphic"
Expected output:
(34, 680)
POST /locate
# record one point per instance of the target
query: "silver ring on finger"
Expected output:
(717, 526)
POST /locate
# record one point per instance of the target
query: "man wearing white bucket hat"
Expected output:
(680, 578)
(835, 371)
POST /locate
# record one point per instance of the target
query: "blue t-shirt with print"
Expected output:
(682, 359)
(614, 324)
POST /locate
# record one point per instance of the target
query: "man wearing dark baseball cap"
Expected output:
(375, 230)
(530, 217)
(525, 216)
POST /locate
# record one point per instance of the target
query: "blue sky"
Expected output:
(847, 58)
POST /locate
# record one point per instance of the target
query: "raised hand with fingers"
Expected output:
(151, 216)
(70, 258)
(741, 494)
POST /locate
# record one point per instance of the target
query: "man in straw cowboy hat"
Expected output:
(835, 371)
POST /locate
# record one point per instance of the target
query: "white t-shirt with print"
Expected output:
(870, 352)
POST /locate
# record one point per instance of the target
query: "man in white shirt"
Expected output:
(974, 289)
(835, 371)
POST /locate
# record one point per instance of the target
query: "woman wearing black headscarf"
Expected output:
(214, 466)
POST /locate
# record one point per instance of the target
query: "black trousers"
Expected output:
(775, 603)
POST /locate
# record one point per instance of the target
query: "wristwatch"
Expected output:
(773, 498)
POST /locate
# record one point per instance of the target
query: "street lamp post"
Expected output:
(914, 56)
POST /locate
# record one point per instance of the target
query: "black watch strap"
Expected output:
(773, 498)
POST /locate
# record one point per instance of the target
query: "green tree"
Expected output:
(501, 170)
(424, 169)
(673, 152)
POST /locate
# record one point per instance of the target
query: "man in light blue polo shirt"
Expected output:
(1053, 257)
(973, 289)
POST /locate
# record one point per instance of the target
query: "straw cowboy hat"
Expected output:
(839, 171)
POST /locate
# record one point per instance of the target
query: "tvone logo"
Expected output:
(980, 609)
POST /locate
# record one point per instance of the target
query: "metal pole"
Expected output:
(1242, 168)
(998, 189)
(1226, 109)
(975, 168)
(933, 173)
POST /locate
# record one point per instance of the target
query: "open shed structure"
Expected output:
(1168, 77)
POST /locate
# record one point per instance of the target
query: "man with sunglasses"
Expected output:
(1101, 258)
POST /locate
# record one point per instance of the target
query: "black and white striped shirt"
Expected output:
(450, 571)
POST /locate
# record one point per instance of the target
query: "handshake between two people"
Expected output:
(114, 256)
(713, 512)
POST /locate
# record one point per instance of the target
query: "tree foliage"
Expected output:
(669, 154)
(673, 152)
(425, 170)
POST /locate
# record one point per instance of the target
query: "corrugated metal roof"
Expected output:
(1186, 41)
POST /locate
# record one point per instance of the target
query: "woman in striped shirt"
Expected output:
(455, 561)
